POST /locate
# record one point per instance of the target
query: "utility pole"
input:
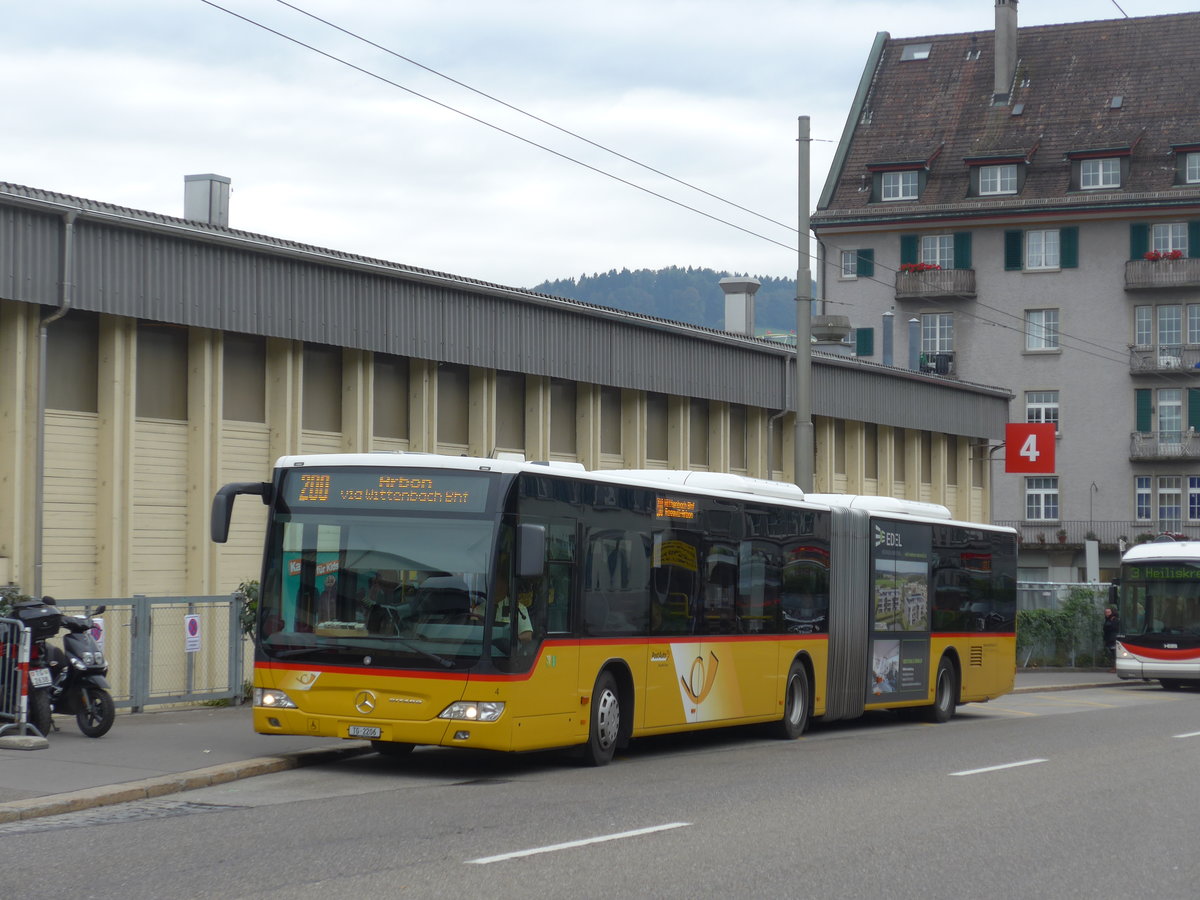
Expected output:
(804, 462)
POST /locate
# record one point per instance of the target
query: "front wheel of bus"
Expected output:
(795, 704)
(945, 694)
(605, 726)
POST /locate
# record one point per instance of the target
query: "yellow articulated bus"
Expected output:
(414, 599)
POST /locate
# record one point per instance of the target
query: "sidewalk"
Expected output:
(158, 753)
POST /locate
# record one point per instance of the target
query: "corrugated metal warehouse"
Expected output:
(145, 360)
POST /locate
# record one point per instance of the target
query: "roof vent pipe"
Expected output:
(739, 304)
(889, 324)
(914, 344)
(206, 199)
(1006, 50)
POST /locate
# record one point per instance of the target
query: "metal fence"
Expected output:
(14, 660)
(1066, 628)
(164, 650)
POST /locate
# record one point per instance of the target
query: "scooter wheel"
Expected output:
(39, 711)
(97, 716)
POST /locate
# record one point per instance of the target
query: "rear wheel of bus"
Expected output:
(945, 693)
(795, 703)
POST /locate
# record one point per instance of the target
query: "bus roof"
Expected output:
(1159, 550)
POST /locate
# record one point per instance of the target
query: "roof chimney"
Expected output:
(1006, 50)
(739, 304)
(206, 199)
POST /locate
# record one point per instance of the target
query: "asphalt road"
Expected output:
(1060, 794)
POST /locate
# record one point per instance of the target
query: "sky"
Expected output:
(333, 142)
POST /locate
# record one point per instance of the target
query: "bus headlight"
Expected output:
(487, 711)
(273, 699)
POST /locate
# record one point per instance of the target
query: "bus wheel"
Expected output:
(391, 749)
(795, 704)
(605, 728)
(945, 694)
(1171, 684)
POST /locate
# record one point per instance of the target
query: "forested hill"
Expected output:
(684, 295)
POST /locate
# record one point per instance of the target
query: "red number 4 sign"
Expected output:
(1029, 448)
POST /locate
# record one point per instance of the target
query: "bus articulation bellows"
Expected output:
(416, 599)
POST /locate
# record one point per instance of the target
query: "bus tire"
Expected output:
(391, 749)
(945, 694)
(605, 722)
(1171, 684)
(795, 703)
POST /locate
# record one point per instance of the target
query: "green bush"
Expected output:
(248, 615)
(1069, 635)
(10, 595)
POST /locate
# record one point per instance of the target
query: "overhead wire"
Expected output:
(1019, 328)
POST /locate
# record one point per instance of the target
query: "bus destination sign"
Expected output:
(410, 490)
(1163, 572)
(670, 508)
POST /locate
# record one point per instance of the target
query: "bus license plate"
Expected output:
(365, 731)
(40, 678)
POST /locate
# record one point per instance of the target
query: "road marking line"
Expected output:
(582, 843)
(1028, 762)
(1189, 734)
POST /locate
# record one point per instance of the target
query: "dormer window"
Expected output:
(1192, 168)
(997, 179)
(898, 185)
(1097, 174)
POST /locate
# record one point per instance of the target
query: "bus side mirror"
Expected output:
(222, 505)
(531, 551)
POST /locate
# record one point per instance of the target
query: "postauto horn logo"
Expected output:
(887, 538)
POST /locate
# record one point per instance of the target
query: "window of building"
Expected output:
(1170, 326)
(1041, 498)
(998, 179)
(1042, 407)
(858, 262)
(1142, 498)
(937, 333)
(610, 420)
(510, 411)
(1041, 329)
(244, 379)
(162, 371)
(1095, 174)
(1169, 237)
(1041, 249)
(1193, 323)
(1170, 499)
(1192, 168)
(1143, 326)
(73, 363)
(1170, 415)
(1194, 498)
(938, 250)
(562, 416)
(453, 404)
(899, 185)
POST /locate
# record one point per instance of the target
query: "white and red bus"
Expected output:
(1158, 604)
(415, 599)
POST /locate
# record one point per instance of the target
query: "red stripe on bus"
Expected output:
(1162, 652)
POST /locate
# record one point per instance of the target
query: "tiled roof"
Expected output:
(1066, 78)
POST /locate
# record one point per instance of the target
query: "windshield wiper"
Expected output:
(412, 648)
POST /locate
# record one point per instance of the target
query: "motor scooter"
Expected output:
(68, 681)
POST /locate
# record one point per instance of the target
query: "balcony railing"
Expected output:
(935, 283)
(938, 363)
(1145, 275)
(1164, 360)
(1158, 445)
(1108, 533)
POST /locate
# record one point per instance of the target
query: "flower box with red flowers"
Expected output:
(919, 267)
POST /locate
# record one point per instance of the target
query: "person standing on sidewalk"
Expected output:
(1112, 625)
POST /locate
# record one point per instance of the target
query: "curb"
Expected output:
(1041, 688)
(161, 785)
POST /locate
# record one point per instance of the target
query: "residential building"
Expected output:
(1026, 203)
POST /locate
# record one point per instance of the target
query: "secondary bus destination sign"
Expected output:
(394, 490)
(668, 508)
(1163, 572)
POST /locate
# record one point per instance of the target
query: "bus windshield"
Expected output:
(383, 590)
(1160, 598)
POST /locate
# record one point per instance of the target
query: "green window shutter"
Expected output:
(1145, 414)
(1139, 240)
(866, 262)
(1068, 247)
(1193, 408)
(1194, 238)
(962, 249)
(1014, 251)
(864, 343)
(909, 248)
